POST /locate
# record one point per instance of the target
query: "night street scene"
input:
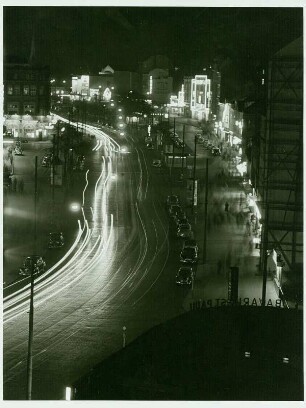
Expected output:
(153, 203)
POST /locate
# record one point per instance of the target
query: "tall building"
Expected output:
(280, 172)
(157, 83)
(200, 97)
(27, 98)
(26, 89)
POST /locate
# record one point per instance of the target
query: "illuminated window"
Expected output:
(10, 89)
(28, 108)
(12, 108)
(285, 360)
(26, 90)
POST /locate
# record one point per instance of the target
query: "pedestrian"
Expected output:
(240, 199)
(14, 183)
(226, 206)
(248, 228)
(21, 186)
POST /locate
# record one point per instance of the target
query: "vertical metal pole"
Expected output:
(205, 213)
(31, 313)
(172, 164)
(194, 171)
(183, 150)
(265, 255)
(52, 178)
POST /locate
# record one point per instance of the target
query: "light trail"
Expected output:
(16, 303)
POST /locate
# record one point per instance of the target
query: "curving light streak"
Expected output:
(80, 233)
(16, 304)
(85, 187)
(42, 280)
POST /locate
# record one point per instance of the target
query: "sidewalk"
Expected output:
(228, 244)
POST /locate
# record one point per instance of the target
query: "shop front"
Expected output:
(29, 127)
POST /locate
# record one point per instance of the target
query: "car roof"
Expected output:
(187, 225)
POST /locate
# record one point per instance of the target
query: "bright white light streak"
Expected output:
(40, 283)
(39, 293)
(85, 186)
(96, 185)
(49, 270)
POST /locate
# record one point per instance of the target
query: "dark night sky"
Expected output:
(79, 39)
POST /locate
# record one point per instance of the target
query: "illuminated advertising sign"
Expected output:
(84, 84)
(107, 95)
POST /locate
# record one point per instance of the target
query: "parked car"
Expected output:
(157, 163)
(189, 255)
(216, 151)
(191, 243)
(39, 265)
(47, 160)
(184, 231)
(172, 199)
(181, 220)
(200, 138)
(209, 146)
(185, 275)
(18, 151)
(56, 240)
(174, 209)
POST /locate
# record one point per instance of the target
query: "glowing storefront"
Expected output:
(200, 97)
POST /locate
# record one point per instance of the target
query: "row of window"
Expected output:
(14, 107)
(28, 76)
(32, 90)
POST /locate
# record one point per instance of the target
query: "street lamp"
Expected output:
(75, 207)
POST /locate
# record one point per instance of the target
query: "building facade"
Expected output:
(280, 180)
(27, 100)
(109, 82)
(200, 97)
(26, 89)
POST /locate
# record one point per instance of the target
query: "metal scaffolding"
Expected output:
(281, 160)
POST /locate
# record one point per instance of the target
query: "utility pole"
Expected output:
(31, 313)
(183, 150)
(173, 145)
(194, 170)
(205, 213)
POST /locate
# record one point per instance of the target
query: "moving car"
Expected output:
(149, 146)
(56, 240)
(156, 163)
(39, 265)
(184, 231)
(184, 276)
(189, 255)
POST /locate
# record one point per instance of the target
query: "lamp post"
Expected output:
(194, 171)
(31, 312)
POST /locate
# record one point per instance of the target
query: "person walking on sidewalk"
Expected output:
(226, 207)
(21, 186)
(248, 228)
